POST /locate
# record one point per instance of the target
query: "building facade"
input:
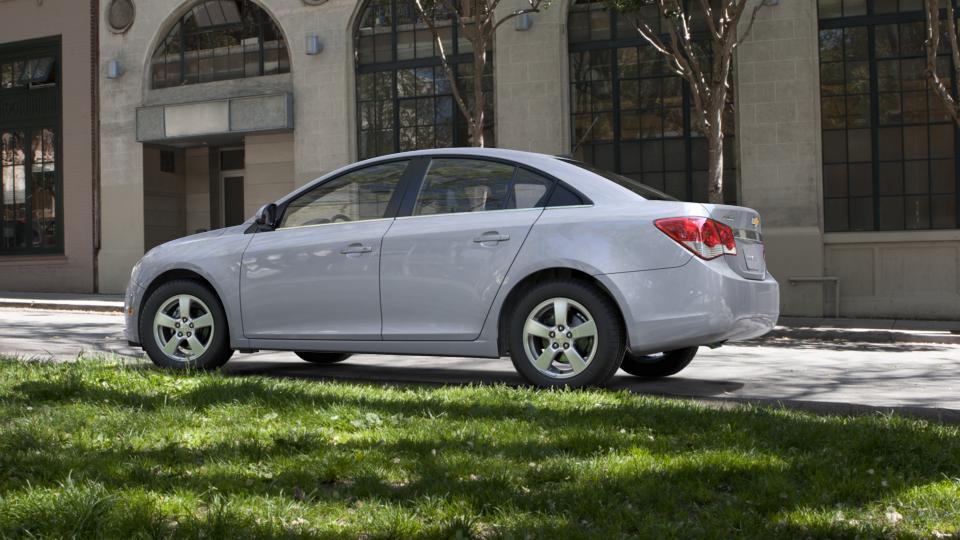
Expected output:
(210, 108)
(48, 151)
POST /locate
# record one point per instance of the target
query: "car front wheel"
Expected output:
(658, 365)
(322, 357)
(183, 326)
(566, 333)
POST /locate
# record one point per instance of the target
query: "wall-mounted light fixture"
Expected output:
(524, 22)
(114, 69)
(314, 46)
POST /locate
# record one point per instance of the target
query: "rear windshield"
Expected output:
(635, 186)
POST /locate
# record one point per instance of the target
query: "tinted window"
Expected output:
(633, 185)
(529, 190)
(464, 185)
(355, 196)
(562, 196)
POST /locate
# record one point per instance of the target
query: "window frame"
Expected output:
(613, 44)
(871, 21)
(263, 18)
(24, 50)
(455, 59)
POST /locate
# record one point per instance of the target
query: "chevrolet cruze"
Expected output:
(570, 271)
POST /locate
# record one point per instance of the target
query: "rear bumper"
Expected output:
(699, 303)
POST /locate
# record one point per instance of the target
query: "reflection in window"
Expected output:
(888, 142)
(355, 196)
(464, 185)
(404, 99)
(219, 40)
(630, 114)
(28, 198)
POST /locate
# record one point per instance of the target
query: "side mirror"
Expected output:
(267, 217)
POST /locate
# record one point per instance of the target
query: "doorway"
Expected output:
(232, 186)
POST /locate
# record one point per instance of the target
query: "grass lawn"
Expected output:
(105, 449)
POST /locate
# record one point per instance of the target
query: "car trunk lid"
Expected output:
(745, 222)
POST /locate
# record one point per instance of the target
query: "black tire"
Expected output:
(610, 340)
(323, 357)
(218, 349)
(670, 363)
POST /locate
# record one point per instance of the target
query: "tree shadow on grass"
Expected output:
(625, 465)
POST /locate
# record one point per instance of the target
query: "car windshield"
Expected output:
(635, 186)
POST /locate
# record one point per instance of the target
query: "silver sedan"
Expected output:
(571, 271)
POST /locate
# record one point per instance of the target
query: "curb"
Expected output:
(862, 336)
(45, 305)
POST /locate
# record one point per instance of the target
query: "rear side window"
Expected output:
(529, 190)
(355, 196)
(456, 185)
(562, 196)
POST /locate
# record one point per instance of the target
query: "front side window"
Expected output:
(404, 98)
(889, 145)
(355, 196)
(218, 40)
(30, 187)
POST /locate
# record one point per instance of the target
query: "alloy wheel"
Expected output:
(183, 327)
(560, 338)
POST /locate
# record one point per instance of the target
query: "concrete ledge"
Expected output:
(107, 303)
(867, 330)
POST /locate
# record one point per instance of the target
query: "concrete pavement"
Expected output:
(810, 373)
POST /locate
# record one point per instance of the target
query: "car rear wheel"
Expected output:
(658, 365)
(566, 333)
(322, 357)
(183, 326)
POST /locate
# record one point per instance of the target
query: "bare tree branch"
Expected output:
(451, 77)
(933, 47)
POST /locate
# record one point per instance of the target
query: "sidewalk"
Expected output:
(789, 328)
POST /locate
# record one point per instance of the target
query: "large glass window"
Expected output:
(356, 196)
(218, 40)
(30, 187)
(889, 145)
(404, 99)
(630, 114)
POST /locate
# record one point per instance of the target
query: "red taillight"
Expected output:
(706, 238)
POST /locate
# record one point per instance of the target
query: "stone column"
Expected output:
(778, 133)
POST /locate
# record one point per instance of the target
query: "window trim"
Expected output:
(51, 46)
(392, 206)
(870, 22)
(408, 204)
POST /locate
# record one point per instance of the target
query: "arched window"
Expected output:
(404, 100)
(218, 40)
(630, 114)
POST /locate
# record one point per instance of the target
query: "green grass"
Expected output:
(106, 449)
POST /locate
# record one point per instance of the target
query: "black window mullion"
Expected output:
(874, 124)
(615, 97)
(687, 140)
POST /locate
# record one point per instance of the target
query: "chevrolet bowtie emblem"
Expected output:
(756, 221)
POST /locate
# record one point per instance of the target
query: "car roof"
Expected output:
(594, 187)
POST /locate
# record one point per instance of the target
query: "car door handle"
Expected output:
(356, 248)
(491, 237)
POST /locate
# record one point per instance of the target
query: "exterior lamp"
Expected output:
(524, 22)
(313, 45)
(114, 69)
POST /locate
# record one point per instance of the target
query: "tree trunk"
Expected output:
(479, 99)
(715, 154)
